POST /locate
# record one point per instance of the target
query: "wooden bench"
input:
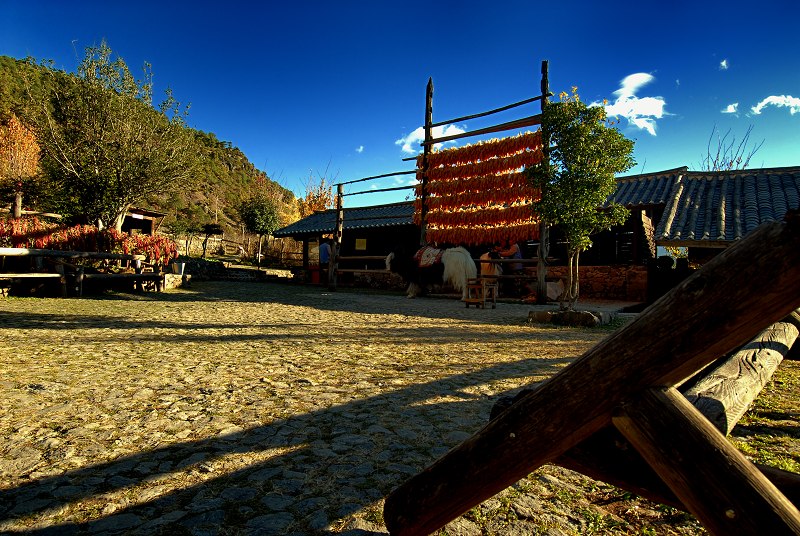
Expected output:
(64, 267)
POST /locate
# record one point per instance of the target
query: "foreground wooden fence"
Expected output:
(628, 382)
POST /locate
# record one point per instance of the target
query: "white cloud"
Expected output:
(360, 149)
(731, 108)
(793, 103)
(410, 143)
(723, 65)
(640, 112)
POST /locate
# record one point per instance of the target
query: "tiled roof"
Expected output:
(646, 189)
(725, 206)
(354, 218)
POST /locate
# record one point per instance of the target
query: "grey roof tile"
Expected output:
(646, 189)
(724, 206)
(354, 218)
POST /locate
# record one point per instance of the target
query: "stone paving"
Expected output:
(265, 408)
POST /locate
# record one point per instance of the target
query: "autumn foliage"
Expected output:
(19, 156)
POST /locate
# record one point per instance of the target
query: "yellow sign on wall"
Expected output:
(361, 244)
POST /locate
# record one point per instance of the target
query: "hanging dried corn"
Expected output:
(479, 194)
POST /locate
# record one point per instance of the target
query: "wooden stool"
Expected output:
(480, 290)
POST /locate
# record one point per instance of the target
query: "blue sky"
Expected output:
(338, 88)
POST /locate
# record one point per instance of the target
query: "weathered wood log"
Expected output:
(751, 285)
(724, 391)
(707, 473)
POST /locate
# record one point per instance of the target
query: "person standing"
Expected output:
(324, 253)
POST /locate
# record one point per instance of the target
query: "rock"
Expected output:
(116, 523)
(270, 523)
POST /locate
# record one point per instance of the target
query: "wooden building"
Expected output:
(367, 231)
(142, 221)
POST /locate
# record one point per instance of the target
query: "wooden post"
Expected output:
(733, 297)
(333, 262)
(544, 228)
(713, 480)
(426, 151)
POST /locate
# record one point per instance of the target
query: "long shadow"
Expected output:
(367, 301)
(328, 464)
(308, 470)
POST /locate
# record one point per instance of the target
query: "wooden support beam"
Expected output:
(737, 294)
(712, 479)
(608, 457)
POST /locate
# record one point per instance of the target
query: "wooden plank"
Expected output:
(29, 275)
(733, 297)
(490, 112)
(362, 271)
(712, 479)
(27, 252)
(511, 125)
(131, 277)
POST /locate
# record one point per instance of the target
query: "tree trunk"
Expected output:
(119, 219)
(541, 265)
(18, 205)
(258, 257)
(573, 293)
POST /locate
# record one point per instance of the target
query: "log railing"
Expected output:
(627, 381)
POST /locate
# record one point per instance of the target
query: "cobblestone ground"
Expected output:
(230, 408)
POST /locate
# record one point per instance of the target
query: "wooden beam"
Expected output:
(511, 125)
(490, 112)
(712, 479)
(733, 297)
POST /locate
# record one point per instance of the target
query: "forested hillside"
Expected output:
(224, 177)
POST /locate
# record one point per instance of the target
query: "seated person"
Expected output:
(511, 250)
(490, 269)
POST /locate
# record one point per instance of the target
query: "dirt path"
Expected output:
(231, 408)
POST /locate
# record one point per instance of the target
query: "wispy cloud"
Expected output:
(731, 108)
(641, 112)
(410, 143)
(723, 65)
(793, 103)
(360, 149)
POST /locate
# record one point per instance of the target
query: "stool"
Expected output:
(480, 290)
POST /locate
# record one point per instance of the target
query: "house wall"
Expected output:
(617, 282)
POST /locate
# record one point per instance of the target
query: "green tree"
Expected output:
(104, 143)
(579, 177)
(261, 216)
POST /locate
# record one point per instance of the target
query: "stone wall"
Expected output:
(628, 283)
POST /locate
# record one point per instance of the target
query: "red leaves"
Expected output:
(34, 233)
